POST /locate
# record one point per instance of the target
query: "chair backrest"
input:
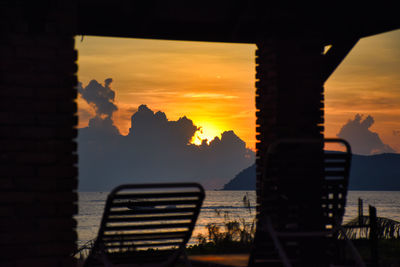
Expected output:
(301, 197)
(336, 172)
(336, 181)
(148, 222)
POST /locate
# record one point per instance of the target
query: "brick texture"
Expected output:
(289, 102)
(38, 173)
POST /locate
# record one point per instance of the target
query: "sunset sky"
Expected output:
(214, 84)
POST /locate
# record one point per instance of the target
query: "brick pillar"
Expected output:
(38, 173)
(289, 102)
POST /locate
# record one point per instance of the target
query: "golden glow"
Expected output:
(367, 82)
(206, 132)
(214, 84)
(210, 83)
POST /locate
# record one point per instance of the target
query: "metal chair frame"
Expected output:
(146, 224)
(336, 171)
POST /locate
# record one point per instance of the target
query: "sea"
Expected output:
(220, 206)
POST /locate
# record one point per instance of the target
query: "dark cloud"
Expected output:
(148, 126)
(156, 150)
(362, 140)
(100, 97)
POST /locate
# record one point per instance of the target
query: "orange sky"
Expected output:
(213, 83)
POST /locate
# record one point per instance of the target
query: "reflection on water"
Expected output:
(219, 205)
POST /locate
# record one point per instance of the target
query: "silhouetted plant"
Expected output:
(232, 234)
(387, 228)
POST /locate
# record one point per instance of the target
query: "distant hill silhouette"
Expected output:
(244, 180)
(377, 172)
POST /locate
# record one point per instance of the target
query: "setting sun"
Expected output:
(207, 132)
(213, 84)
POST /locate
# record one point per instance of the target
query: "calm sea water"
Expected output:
(221, 204)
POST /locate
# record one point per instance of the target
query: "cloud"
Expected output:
(84, 114)
(156, 149)
(396, 132)
(361, 138)
(100, 97)
(149, 127)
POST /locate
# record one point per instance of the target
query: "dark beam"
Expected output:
(232, 21)
(335, 56)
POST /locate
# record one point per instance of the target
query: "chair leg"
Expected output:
(186, 259)
(106, 262)
(104, 257)
(277, 243)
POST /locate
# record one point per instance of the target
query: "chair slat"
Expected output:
(196, 195)
(148, 218)
(140, 240)
(149, 245)
(150, 211)
(146, 236)
(146, 226)
(168, 203)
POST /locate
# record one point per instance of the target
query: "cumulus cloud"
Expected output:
(101, 98)
(148, 126)
(84, 114)
(156, 149)
(362, 140)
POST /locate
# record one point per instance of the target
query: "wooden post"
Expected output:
(360, 212)
(373, 236)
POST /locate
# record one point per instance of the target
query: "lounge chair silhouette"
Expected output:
(288, 232)
(146, 224)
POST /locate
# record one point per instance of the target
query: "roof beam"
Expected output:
(232, 21)
(335, 55)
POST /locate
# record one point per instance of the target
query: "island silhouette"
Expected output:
(368, 172)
